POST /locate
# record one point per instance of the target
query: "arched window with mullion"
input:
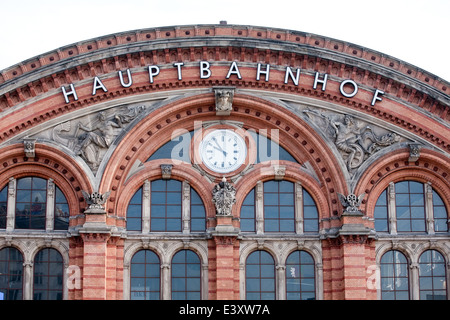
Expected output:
(260, 276)
(48, 275)
(145, 276)
(394, 276)
(186, 276)
(432, 276)
(11, 274)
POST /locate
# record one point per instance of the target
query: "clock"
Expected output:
(223, 150)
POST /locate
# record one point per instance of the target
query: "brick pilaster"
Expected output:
(225, 280)
(348, 256)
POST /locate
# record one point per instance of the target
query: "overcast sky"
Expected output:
(415, 31)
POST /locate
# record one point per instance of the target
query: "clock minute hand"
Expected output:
(219, 148)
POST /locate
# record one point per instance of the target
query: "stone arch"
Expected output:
(389, 246)
(295, 135)
(431, 167)
(49, 163)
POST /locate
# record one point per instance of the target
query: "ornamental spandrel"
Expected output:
(224, 196)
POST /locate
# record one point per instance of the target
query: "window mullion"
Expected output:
(259, 207)
(392, 210)
(186, 207)
(50, 208)
(298, 208)
(11, 205)
(146, 192)
(429, 217)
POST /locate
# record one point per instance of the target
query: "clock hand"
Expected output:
(219, 148)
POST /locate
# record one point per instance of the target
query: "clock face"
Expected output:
(223, 151)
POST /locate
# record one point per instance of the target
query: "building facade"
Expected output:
(223, 162)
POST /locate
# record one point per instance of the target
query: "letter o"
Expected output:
(355, 88)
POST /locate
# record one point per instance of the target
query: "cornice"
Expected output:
(235, 35)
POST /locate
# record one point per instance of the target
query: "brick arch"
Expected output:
(49, 163)
(431, 167)
(295, 135)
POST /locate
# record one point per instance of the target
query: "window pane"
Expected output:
(145, 276)
(186, 281)
(287, 199)
(165, 206)
(271, 199)
(47, 286)
(402, 187)
(61, 211)
(415, 187)
(300, 276)
(11, 271)
(260, 276)
(3, 206)
(31, 203)
(250, 198)
(394, 276)
(432, 276)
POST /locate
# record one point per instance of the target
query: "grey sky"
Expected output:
(414, 31)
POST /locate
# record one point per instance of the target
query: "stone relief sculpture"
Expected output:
(95, 201)
(355, 139)
(351, 202)
(224, 196)
(91, 138)
(224, 100)
(99, 136)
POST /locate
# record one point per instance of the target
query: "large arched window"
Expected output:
(32, 194)
(300, 276)
(48, 275)
(163, 206)
(166, 213)
(260, 276)
(11, 274)
(31, 203)
(432, 276)
(145, 276)
(279, 206)
(186, 276)
(394, 276)
(286, 208)
(411, 204)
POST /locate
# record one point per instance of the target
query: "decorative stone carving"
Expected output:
(351, 203)
(355, 139)
(166, 171)
(224, 100)
(91, 138)
(414, 152)
(29, 147)
(95, 201)
(224, 196)
(279, 171)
